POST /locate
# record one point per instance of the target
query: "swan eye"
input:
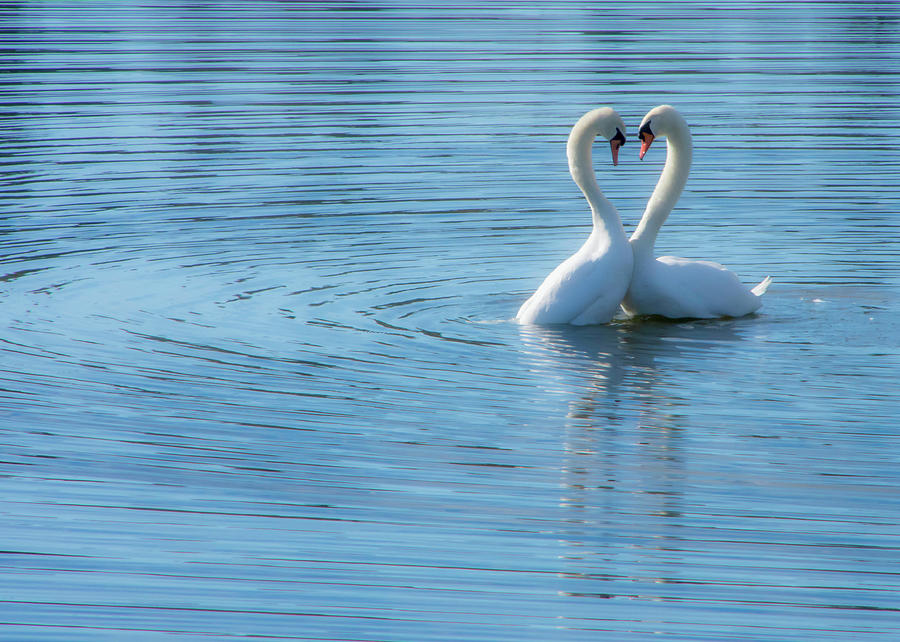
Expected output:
(619, 137)
(645, 131)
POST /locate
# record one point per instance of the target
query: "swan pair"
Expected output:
(610, 270)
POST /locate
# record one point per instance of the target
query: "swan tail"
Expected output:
(760, 288)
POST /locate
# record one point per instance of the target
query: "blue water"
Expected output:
(258, 374)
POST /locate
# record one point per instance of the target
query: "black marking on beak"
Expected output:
(645, 130)
(619, 137)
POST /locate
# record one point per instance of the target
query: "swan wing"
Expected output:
(680, 288)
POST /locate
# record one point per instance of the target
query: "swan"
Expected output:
(588, 286)
(670, 286)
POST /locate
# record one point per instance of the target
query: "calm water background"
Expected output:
(258, 375)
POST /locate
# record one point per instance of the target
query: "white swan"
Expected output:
(670, 286)
(588, 286)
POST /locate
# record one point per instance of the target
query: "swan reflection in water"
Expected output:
(624, 466)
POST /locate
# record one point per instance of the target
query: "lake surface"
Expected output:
(259, 376)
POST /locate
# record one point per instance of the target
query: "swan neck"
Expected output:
(604, 213)
(679, 151)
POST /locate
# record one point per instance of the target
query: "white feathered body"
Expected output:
(670, 286)
(586, 288)
(680, 288)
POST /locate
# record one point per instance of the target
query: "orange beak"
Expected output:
(646, 141)
(614, 146)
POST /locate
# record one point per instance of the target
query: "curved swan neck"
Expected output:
(578, 150)
(679, 151)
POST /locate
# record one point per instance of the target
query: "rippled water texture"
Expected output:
(258, 374)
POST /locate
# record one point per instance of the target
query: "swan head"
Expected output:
(605, 122)
(659, 121)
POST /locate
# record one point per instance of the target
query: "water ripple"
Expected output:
(258, 374)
